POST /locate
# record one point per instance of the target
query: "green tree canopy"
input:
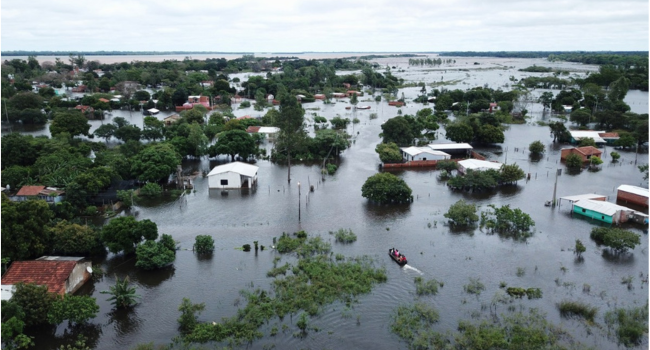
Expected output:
(459, 132)
(155, 163)
(386, 188)
(234, 142)
(573, 161)
(536, 147)
(619, 240)
(389, 152)
(124, 234)
(72, 122)
(153, 255)
(397, 130)
(25, 232)
(462, 214)
(74, 239)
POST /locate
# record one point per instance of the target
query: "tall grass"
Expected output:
(577, 309)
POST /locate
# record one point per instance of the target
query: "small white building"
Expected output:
(423, 153)
(233, 175)
(478, 165)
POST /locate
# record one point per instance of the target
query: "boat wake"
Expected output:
(411, 268)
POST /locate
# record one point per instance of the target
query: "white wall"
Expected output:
(234, 180)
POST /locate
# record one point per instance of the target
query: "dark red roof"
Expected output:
(253, 129)
(30, 190)
(588, 150)
(52, 274)
(608, 134)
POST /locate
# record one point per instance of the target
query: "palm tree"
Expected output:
(122, 296)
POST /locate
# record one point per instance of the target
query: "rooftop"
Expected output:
(51, 273)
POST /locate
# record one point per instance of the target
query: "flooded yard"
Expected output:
(419, 230)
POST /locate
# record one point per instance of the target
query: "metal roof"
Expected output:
(476, 164)
(235, 167)
(439, 146)
(634, 189)
(592, 196)
(414, 151)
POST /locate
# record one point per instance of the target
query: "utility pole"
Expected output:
(557, 172)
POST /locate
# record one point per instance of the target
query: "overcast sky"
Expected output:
(325, 26)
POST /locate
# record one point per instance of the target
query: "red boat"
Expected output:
(398, 258)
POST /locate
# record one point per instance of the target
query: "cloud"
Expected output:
(291, 26)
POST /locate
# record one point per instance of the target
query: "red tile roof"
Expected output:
(52, 274)
(104, 100)
(588, 150)
(253, 129)
(30, 190)
(608, 134)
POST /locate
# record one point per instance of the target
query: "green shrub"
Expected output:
(573, 161)
(474, 287)
(344, 236)
(630, 325)
(91, 210)
(429, 287)
(577, 309)
(151, 189)
(204, 244)
(331, 168)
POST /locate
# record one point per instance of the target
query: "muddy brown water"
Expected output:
(418, 230)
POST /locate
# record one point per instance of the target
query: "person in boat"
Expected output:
(396, 252)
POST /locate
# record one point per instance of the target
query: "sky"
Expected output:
(325, 26)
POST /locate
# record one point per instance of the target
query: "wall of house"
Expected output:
(632, 198)
(593, 214)
(234, 180)
(78, 277)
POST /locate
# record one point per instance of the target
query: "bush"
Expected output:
(510, 222)
(615, 238)
(189, 315)
(573, 161)
(389, 152)
(153, 255)
(245, 104)
(577, 309)
(429, 287)
(630, 324)
(151, 189)
(344, 236)
(447, 165)
(474, 287)
(331, 168)
(386, 188)
(204, 244)
(462, 214)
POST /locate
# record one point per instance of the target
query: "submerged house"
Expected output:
(422, 153)
(584, 152)
(477, 165)
(48, 194)
(233, 176)
(632, 194)
(61, 274)
(599, 137)
(603, 211)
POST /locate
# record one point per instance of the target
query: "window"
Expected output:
(583, 210)
(224, 182)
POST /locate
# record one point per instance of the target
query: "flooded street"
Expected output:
(418, 230)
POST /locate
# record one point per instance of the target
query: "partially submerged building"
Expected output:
(61, 274)
(585, 153)
(477, 165)
(233, 176)
(422, 153)
(604, 211)
(48, 194)
(632, 194)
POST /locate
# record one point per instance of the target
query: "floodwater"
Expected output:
(418, 230)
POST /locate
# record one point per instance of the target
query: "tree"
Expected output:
(24, 228)
(546, 99)
(124, 234)
(397, 130)
(462, 214)
(151, 189)
(559, 132)
(615, 238)
(234, 142)
(17, 149)
(128, 133)
(204, 244)
(35, 301)
(587, 141)
(386, 188)
(536, 147)
(579, 249)
(74, 239)
(459, 132)
(625, 140)
(510, 173)
(339, 123)
(290, 121)
(615, 156)
(122, 295)
(389, 152)
(197, 141)
(644, 170)
(75, 309)
(354, 99)
(189, 315)
(580, 116)
(153, 128)
(573, 161)
(155, 163)
(447, 165)
(25, 100)
(105, 131)
(489, 134)
(72, 122)
(507, 221)
(153, 255)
